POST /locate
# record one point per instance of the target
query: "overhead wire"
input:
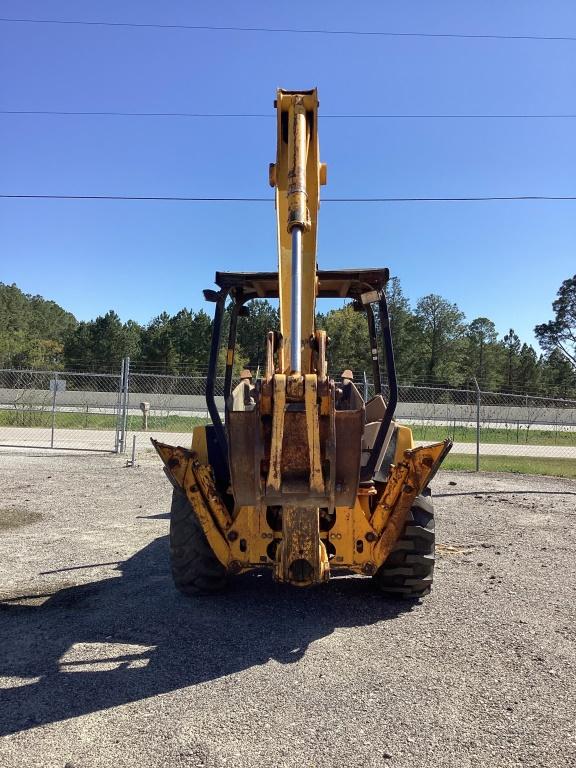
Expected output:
(290, 30)
(269, 115)
(201, 199)
(171, 198)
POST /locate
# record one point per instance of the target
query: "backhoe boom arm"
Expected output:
(297, 176)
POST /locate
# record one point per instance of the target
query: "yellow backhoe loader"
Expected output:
(303, 476)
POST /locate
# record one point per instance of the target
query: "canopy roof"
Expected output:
(332, 284)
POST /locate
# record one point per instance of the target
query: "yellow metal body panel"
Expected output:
(407, 479)
(251, 526)
(350, 527)
(313, 432)
(360, 539)
(404, 442)
(197, 481)
(302, 558)
(279, 404)
(199, 445)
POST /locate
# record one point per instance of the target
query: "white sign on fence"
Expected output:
(57, 385)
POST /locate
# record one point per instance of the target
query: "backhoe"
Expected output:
(302, 476)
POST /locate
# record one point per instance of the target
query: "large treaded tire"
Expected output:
(408, 572)
(195, 568)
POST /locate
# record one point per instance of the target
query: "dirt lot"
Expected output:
(103, 664)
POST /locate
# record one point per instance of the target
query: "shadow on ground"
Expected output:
(188, 641)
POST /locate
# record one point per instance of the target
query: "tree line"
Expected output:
(433, 342)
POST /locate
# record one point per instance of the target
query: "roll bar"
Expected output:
(367, 471)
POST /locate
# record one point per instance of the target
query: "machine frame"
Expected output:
(365, 287)
(300, 478)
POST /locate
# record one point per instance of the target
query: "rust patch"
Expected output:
(295, 456)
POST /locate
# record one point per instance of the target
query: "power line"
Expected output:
(186, 199)
(470, 199)
(270, 115)
(139, 114)
(289, 30)
(166, 198)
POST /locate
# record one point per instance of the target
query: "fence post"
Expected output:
(126, 392)
(132, 462)
(119, 409)
(366, 398)
(478, 400)
(55, 390)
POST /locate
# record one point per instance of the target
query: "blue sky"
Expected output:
(504, 260)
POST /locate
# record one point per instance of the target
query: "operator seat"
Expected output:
(375, 410)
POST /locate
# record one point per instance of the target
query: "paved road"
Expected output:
(103, 664)
(104, 440)
(511, 409)
(502, 449)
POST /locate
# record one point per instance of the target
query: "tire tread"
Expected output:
(195, 568)
(408, 571)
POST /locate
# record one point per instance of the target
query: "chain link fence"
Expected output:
(61, 409)
(491, 424)
(116, 412)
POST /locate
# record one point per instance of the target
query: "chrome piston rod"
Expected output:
(296, 313)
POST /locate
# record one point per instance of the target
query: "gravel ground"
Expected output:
(103, 664)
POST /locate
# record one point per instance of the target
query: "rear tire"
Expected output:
(195, 568)
(408, 572)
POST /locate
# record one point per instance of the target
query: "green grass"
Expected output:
(173, 423)
(167, 423)
(517, 464)
(512, 436)
(83, 420)
(522, 465)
